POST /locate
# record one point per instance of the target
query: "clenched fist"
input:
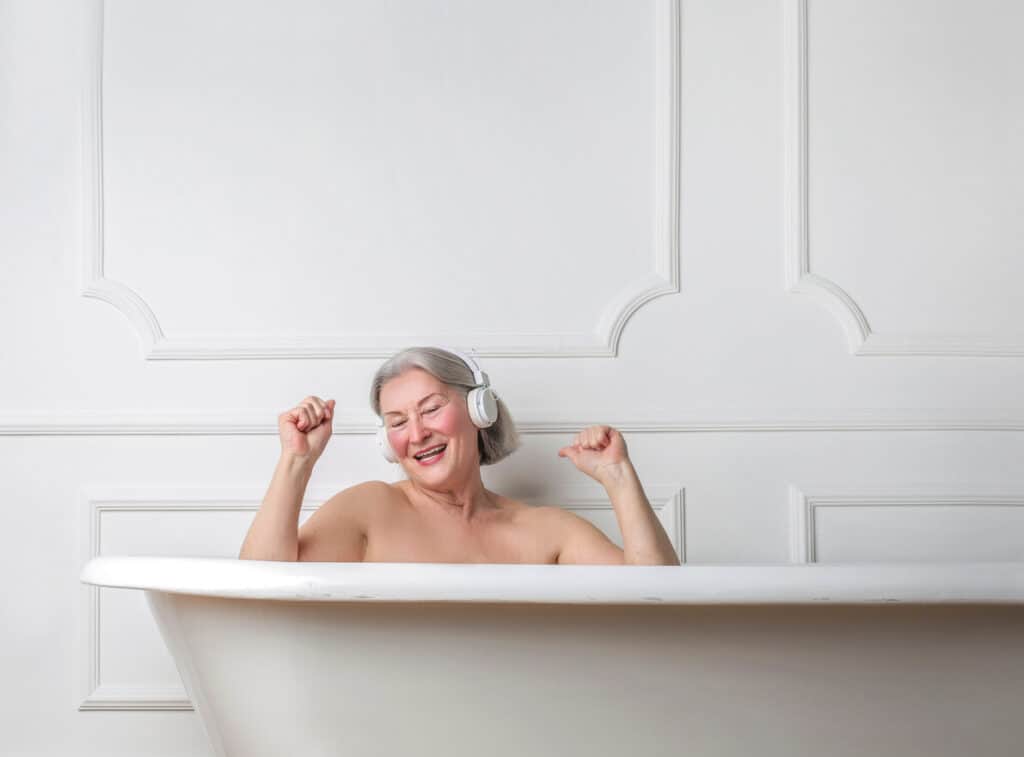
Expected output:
(598, 451)
(305, 429)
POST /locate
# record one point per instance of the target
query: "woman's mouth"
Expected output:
(432, 455)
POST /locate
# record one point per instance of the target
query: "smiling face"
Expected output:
(421, 412)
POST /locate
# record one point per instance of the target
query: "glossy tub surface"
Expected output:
(469, 659)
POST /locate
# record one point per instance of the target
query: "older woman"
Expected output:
(442, 512)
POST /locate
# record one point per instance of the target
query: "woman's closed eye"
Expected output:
(399, 424)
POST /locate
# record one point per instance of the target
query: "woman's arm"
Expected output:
(600, 452)
(274, 533)
(643, 537)
(304, 431)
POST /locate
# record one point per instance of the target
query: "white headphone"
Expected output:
(482, 402)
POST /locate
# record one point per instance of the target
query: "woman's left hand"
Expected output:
(598, 451)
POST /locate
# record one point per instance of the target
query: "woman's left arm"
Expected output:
(600, 452)
(644, 539)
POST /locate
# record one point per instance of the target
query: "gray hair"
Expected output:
(494, 443)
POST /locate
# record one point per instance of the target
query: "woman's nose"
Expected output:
(417, 430)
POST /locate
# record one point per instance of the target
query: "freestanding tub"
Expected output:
(402, 659)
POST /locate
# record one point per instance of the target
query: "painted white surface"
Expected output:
(324, 678)
(264, 167)
(565, 584)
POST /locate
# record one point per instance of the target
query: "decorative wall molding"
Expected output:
(799, 279)
(202, 423)
(803, 508)
(93, 694)
(602, 341)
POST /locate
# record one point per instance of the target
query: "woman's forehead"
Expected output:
(409, 388)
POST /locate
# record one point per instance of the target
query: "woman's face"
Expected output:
(421, 412)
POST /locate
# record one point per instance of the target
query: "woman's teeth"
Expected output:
(432, 455)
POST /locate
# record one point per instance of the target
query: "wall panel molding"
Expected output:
(799, 279)
(91, 693)
(803, 508)
(602, 341)
(202, 423)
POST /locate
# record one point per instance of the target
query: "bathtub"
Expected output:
(403, 659)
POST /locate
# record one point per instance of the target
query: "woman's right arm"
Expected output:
(304, 432)
(274, 533)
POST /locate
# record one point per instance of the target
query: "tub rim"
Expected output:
(745, 583)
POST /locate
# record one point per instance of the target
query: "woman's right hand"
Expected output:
(305, 429)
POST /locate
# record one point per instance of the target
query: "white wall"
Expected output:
(211, 210)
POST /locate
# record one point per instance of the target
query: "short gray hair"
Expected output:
(494, 443)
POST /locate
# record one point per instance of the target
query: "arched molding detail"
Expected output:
(799, 279)
(601, 341)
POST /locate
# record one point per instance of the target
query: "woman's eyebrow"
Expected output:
(398, 412)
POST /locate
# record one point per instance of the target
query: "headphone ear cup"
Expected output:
(385, 445)
(483, 406)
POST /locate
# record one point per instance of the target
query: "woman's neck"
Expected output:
(468, 501)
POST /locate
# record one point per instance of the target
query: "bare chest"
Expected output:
(402, 535)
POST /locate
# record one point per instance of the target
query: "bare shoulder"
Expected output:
(337, 531)
(360, 498)
(579, 540)
(546, 524)
(375, 496)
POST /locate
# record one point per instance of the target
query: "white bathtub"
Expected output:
(404, 659)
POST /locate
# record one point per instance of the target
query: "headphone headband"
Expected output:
(479, 376)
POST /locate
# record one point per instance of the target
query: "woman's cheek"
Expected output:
(398, 442)
(448, 423)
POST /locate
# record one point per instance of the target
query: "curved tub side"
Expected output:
(322, 679)
(165, 613)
